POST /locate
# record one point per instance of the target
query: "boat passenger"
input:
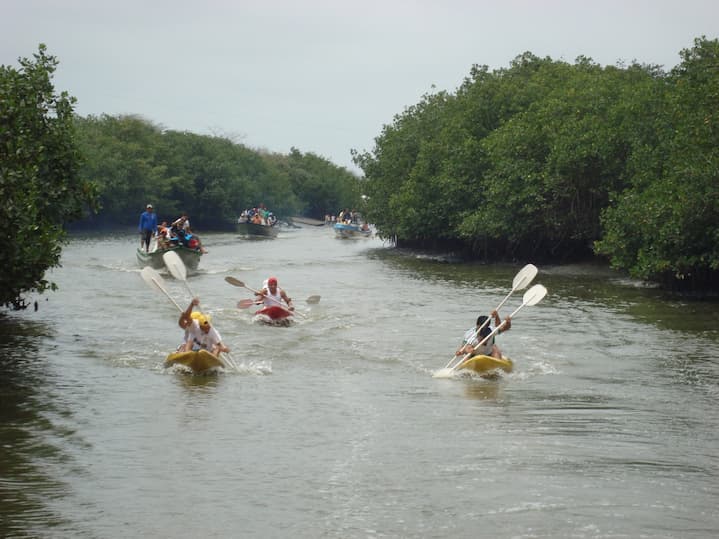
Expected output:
(163, 235)
(475, 335)
(199, 333)
(272, 296)
(181, 224)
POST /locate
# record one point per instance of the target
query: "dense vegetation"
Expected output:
(40, 186)
(543, 160)
(212, 178)
(547, 160)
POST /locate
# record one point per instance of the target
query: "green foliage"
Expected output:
(211, 178)
(320, 186)
(557, 161)
(39, 182)
(665, 226)
(410, 166)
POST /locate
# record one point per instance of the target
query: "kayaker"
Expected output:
(272, 296)
(199, 333)
(474, 336)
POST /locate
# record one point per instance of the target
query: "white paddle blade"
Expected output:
(313, 300)
(444, 373)
(534, 295)
(154, 280)
(151, 277)
(524, 277)
(175, 265)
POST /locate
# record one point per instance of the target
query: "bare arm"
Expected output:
(288, 300)
(186, 316)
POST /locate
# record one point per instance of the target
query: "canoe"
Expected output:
(485, 364)
(190, 257)
(200, 361)
(254, 229)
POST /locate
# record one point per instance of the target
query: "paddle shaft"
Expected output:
(312, 300)
(236, 282)
(177, 268)
(152, 277)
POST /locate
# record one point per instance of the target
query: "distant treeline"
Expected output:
(133, 162)
(552, 161)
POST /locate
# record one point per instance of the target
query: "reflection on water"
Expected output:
(483, 389)
(25, 426)
(196, 383)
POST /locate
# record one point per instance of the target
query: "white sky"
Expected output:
(323, 76)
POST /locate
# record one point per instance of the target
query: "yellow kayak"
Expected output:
(197, 361)
(485, 364)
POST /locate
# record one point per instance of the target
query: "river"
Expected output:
(335, 427)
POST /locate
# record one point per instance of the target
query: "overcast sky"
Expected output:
(320, 75)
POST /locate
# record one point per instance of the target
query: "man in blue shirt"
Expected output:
(148, 227)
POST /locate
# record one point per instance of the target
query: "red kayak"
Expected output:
(274, 313)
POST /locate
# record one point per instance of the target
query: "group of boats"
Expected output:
(179, 258)
(343, 229)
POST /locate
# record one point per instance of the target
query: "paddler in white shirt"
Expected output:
(199, 333)
(273, 296)
(474, 336)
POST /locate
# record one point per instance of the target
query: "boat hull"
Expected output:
(487, 364)
(274, 312)
(274, 316)
(346, 231)
(199, 362)
(189, 257)
(254, 229)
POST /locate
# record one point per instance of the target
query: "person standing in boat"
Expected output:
(199, 333)
(475, 335)
(272, 296)
(148, 227)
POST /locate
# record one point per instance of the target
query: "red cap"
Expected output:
(272, 280)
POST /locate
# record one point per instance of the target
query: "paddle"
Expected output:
(312, 300)
(245, 303)
(531, 297)
(154, 280)
(177, 268)
(238, 283)
(520, 281)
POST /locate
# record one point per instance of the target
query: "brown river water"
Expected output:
(335, 427)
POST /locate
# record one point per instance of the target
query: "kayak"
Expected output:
(485, 364)
(199, 361)
(274, 316)
(274, 312)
